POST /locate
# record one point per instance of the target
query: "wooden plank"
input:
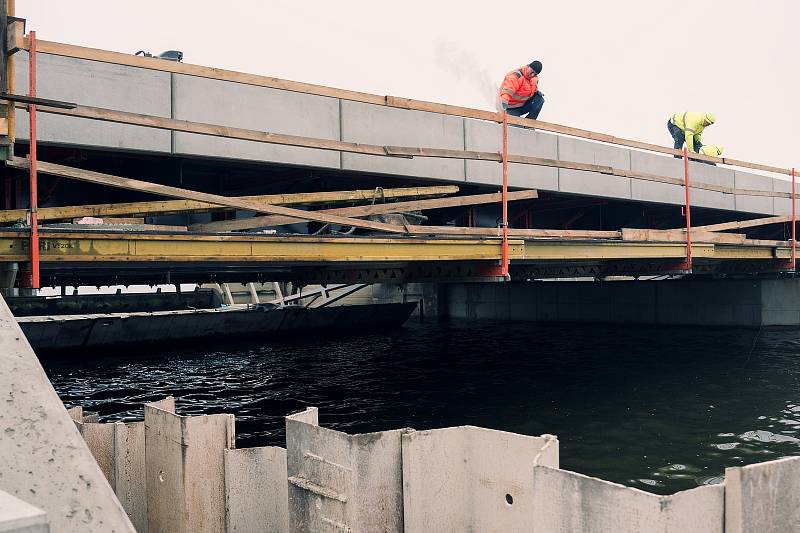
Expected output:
(15, 39)
(93, 54)
(166, 190)
(121, 117)
(514, 232)
(648, 235)
(366, 210)
(169, 207)
(744, 223)
(114, 220)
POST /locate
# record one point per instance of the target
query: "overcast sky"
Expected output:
(616, 66)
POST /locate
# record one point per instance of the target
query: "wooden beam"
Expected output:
(169, 207)
(366, 210)
(648, 235)
(93, 54)
(121, 117)
(166, 190)
(744, 223)
(514, 232)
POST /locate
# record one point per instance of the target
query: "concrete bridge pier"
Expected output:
(724, 302)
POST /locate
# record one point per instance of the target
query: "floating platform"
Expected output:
(48, 334)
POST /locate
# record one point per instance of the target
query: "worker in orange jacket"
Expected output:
(519, 92)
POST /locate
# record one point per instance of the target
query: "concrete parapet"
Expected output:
(184, 458)
(255, 490)
(593, 183)
(16, 516)
(257, 108)
(567, 502)
(98, 84)
(342, 482)
(756, 182)
(764, 497)
(372, 124)
(471, 479)
(45, 462)
(486, 137)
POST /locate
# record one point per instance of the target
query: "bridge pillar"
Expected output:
(734, 303)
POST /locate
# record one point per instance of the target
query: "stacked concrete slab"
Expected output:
(278, 111)
(16, 516)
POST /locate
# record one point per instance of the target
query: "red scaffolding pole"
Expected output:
(688, 209)
(504, 267)
(34, 222)
(794, 224)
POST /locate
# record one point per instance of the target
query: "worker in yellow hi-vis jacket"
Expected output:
(687, 127)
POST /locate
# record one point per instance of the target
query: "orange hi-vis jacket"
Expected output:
(517, 88)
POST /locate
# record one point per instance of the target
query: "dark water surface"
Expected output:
(661, 409)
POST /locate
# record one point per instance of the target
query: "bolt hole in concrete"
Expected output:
(161, 476)
(509, 499)
(658, 408)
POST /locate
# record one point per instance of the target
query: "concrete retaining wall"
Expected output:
(342, 482)
(43, 459)
(16, 516)
(746, 303)
(471, 479)
(452, 479)
(255, 490)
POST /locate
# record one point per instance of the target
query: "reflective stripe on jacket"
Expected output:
(692, 125)
(517, 88)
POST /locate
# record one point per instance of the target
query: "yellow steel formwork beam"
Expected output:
(132, 247)
(70, 246)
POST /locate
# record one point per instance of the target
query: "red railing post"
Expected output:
(34, 194)
(504, 271)
(794, 224)
(688, 208)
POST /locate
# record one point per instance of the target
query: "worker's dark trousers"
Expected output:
(680, 138)
(531, 107)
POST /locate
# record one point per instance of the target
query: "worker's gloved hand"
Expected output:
(540, 93)
(504, 105)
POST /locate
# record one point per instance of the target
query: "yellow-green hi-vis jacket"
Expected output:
(692, 125)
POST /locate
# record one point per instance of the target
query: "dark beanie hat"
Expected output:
(536, 66)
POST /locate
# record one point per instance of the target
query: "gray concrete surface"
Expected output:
(341, 482)
(16, 516)
(763, 497)
(256, 492)
(567, 502)
(471, 479)
(102, 85)
(45, 462)
(743, 303)
(226, 103)
(185, 469)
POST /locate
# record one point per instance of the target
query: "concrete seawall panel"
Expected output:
(581, 182)
(255, 490)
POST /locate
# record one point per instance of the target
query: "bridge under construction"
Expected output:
(123, 169)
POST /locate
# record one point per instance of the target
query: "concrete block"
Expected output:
(256, 494)
(340, 482)
(658, 165)
(567, 502)
(471, 479)
(97, 84)
(703, 173)
(45, 460)
(763, 497)
(593, 183)
(185, 469)
(372, 124)
(783, 206)
(763, 205)
(16, 516)
(487, 137)
(255, 108)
